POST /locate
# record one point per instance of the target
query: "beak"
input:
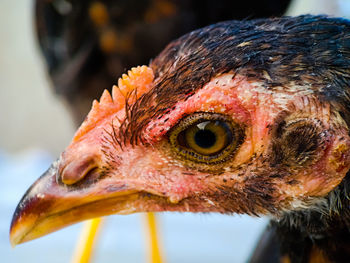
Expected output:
(75, 187)
(49, 205)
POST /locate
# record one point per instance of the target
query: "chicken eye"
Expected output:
(205, 137)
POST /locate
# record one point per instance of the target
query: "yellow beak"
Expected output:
(49, 205)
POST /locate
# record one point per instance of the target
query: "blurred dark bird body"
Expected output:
(88, 44)
(238, 117)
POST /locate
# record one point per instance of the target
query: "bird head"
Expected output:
(239, 117)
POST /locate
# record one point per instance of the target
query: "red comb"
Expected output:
(139, 79)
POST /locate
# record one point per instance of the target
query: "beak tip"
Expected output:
(22, 222)
(13, 243)
(14, 239)
(28, 209)
(15, 235)
(12, 232)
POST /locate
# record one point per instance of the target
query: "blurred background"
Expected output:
(55, 57)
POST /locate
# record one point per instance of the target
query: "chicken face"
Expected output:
(193, 133)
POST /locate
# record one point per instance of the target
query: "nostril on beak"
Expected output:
(76, 170)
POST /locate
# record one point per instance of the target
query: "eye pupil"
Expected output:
(208, 138)
(205, 138)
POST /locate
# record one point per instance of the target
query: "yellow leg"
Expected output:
(154, 253)
(85, 247)
(84, 250)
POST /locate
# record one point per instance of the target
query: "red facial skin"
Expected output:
(154, 169)
(151, 177)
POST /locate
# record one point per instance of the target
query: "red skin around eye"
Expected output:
(218, 97)
(234, 97)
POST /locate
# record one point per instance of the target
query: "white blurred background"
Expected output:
(35, 127)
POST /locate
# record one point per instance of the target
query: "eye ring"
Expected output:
(205, 137)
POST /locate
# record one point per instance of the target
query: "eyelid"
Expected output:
(192, 156)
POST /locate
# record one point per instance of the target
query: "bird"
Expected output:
(239, 117)
(86, 44)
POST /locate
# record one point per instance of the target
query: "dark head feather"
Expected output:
(311, 52)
